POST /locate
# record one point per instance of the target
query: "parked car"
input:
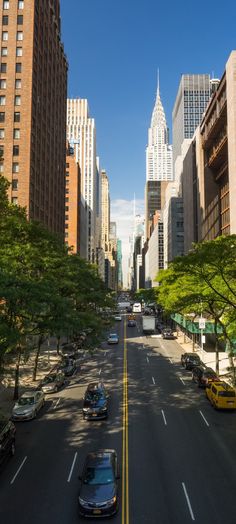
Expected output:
(203, 375)
(7, 438)
(168, 334)
(190, 360)
(98, 495)
(95, 401)
(52, 382)
(113, 338)
(67, 366)
(221, 395)
(28, 405)
(131, 323)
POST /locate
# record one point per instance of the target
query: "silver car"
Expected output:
(28, 405)
(52, 382)
(113, 338)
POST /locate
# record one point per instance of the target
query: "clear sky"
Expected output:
(114, 49)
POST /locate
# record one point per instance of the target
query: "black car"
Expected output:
(99, 487)
(131, 323)
(68, 366)
(190, 360)
(95, 401)
(203, 376)
(168, 334)
(7, 438)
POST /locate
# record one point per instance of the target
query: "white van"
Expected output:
(137, 308)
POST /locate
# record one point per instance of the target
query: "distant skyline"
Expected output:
(114, 50)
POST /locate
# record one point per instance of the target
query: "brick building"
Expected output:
(33, 89)
(72, 202)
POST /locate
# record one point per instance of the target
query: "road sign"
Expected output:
(202, 323)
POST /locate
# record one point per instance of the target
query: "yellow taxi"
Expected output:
(221, 395)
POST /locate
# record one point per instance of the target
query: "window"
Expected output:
(2, 117)
(16, 117)
(19, 35)
(3, 84)
(1, 151)
(14, 200)
(4, 51)
(2, 133)
(16, 133)
(15, 167)
(66, 217)
(5, 20)
(3, 67)
(18, 67)
(19, 19)
(16, 150)
(2, 100)
(5, 5)
(4, 36)
(15, 184)
(20, 4)
(17, 100)
(19, 51)
(18, 83)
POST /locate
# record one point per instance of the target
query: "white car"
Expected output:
(28, 405)
(113, 338)
(118, 317)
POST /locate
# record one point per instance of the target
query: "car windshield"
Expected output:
(226, 393)
(49, 379)
(112, 336)
(26, 401)
(94, 476)
(94, 395)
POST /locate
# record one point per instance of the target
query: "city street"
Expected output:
(176, 453)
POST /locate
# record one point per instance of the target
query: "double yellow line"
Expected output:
(125, 441)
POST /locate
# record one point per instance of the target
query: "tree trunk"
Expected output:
(17, 374)
(216, 347)
(193, 342)
(58, 344)
(40, 341)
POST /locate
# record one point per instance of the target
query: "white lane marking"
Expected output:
(164, 418)
(153, 380)
(147, 360)
(56, 403)
(72, 467)
(99, 371)
(182, 380)
(188, 501)
(18, 471)
(205, 420)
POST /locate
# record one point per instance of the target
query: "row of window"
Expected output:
(19, 51)
(5, 20)
(19, 36)
(15, 151)
(16, 117)
(17, 100)
(3, 67)
(3, 83)
(16, 133)
(6, 4)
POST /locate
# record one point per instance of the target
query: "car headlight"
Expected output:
(83, 502)
(111, 501)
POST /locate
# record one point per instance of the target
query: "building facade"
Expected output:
(81, 134)
(72, 202)
(33, 89)
(192, 98)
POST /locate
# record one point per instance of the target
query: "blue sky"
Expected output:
(114, 49)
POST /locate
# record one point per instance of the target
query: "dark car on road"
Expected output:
(131, 323)
(190, 360)
(95, 401)
(168, 334)
(203, 376)
(7, 438)
(68, 366)
(99, 484)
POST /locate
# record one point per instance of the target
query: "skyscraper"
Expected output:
(81, 134)
(192, 98)
(105, 210)
(33, 86)
(158, 151)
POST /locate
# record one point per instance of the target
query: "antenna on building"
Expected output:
(158, 83)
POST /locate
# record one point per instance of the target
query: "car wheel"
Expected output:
(13, 449)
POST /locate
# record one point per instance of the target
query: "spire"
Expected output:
(158, 84)
(158, 114)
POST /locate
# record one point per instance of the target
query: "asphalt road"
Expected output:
(177, 455)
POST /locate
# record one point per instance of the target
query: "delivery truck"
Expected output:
(148, 324)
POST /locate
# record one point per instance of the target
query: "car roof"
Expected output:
(100, 458)
(95, 385)
(113, 335)
(221, 385)
(29, 393)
